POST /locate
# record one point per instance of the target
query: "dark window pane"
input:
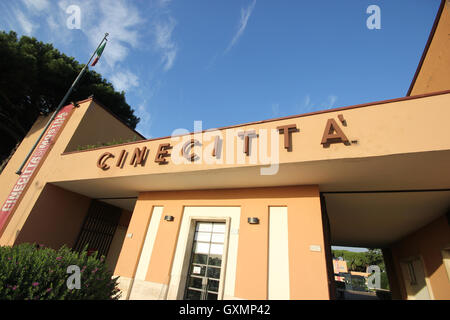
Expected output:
(195, 282)
(193, 295)
(213, 285)
(213, 273)
(198, 270)
(211, 296)
(215, 260)
(200, 258)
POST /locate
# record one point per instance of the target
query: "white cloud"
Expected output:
(52, 24)
(304, 106)
(164, 42)
(121, 19)
(143, 113)
(124, 80)
(26, 25)
(163, 3)
(144, 125)
(275, 109)
(331, 101)
(125, 25)
(307, 105)
(245, 15)
(37, 5)
(124, 20)
(307, 101)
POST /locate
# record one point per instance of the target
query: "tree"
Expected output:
(34, 77)
(375, 257)
(359, 261)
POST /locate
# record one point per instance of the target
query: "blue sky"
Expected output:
(354, 249)
(229, 62)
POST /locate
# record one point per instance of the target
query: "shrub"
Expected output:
(33, 272)
(106, 144)
(359, 283)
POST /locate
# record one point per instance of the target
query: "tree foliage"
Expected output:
(34, 77)
(359, 261)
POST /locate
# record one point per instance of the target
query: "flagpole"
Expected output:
(61, 104)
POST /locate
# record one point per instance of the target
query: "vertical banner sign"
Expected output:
(36, 158)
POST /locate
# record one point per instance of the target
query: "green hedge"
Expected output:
(33, 272)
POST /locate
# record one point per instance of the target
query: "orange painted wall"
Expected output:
(253, 251)
(308, 280)
(99, 126)
(55, 219)
(428, 243)
(372, 126)
(8, 176)
(131, 248)
(434, 73)
(308, 270)
(165, 245)
(50, 168)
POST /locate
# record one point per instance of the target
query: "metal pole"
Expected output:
(61, 104)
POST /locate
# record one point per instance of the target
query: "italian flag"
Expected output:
(99, 54)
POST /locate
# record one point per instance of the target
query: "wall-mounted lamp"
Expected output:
(253, 220)
(168, 218)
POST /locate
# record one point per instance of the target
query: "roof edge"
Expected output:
(427, 46)
(100, 104)
(425, 95)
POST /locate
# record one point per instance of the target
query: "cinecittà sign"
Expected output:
(186, 150)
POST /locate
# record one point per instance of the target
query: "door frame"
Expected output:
(188, 251)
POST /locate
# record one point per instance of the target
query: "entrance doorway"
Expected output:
(98, 228)
(205, 265)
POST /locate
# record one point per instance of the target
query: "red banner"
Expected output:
(36, 158)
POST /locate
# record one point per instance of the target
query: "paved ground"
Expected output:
(358, 295)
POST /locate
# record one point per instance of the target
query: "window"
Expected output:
(412, 274)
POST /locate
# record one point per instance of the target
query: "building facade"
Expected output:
(249, 211)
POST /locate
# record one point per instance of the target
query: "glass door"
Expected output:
(206, 261)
